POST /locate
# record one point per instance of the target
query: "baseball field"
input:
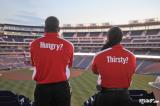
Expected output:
(82, 82)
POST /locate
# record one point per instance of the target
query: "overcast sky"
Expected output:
(34, 12)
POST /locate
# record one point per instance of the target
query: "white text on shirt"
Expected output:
(114, 59)
(51, 46)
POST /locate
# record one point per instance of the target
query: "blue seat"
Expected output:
(7, 93)
(137, 92)
(8, 98)
(9, 103)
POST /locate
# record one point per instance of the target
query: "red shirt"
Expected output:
(116, 66)
(51, 57)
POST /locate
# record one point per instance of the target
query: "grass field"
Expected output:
(82, 86)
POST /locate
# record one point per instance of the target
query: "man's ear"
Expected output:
(58, 29)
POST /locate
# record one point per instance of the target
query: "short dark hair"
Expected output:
(51, 24)
(115, 34)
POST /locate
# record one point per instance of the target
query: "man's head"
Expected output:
(115, 34)
(52, 24)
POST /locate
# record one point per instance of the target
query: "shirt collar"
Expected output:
(117, 46)
(51, 34)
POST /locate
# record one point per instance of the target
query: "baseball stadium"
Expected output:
(141, 38)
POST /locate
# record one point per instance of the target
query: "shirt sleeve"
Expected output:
(72, 56)
(94, 66)
(134, 64)
(31, 55)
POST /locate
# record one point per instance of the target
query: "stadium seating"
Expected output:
(94, 34)
(81, 34)
(143, 65)
(16, 39)
(8, 98)
(68, 34)
(136, 32)
(153, 32)
(85, 62)
(137, 98)
(12, 62)
(77, 60)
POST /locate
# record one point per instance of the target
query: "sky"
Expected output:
(34, 12)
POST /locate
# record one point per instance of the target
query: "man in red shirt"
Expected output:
(115, 65)
(52, 57)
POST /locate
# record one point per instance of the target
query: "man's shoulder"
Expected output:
(66, 42)
(103, 52)
(129, 52)
(34, 42)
